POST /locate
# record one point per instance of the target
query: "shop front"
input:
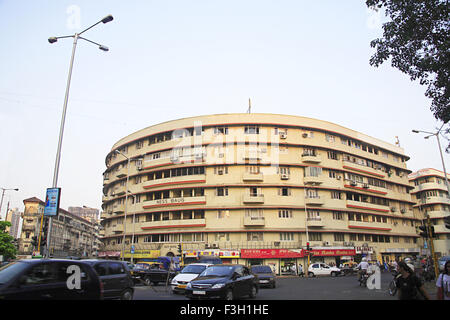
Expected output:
(282, 261)
(227, 256)
(332, 255)
(109, 254)
(390, 254)
(143, 254)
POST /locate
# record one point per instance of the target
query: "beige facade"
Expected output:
(433, 201)
(258, 181)
(70, 235)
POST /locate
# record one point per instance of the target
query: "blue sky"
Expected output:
(179, 58)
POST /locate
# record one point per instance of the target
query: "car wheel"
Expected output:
(273, 285)
(147, 281)
(155, 283)
(253, 292)
(334, 274)
(311, 274)
(229, 295)
(127, 295)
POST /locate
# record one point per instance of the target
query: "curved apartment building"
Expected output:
(257, 188)
(433, 202)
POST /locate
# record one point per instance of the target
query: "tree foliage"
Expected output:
(7, 248)
(417, 40)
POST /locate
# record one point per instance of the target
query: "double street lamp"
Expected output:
(75, 36)
(1, 202)
(430, 134)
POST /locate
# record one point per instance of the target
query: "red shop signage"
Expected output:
(269, 253)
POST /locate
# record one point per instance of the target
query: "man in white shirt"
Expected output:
(362, 266)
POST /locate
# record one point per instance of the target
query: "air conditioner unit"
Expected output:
(199, 155)
(220, 171)
(353, 183)
(305, 135)
(393, 209)
(215, 246)
(326, 243)
(284, 176)
(338, 177)
(365, 185)
(139, 167)
(283, 135)
(403, 210)
(276, 244)
(401, 174)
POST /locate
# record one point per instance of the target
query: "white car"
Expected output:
(189, 273)
(322, 269)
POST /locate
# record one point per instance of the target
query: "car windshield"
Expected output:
(11, 270)
(193, 269)
(261, 269)
(217, 271)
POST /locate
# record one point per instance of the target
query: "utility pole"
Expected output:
(433, 254)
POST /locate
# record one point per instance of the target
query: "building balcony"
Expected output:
(369, 225)
(311, 158)
(253, 177)
(314, 201)
(443, 200)
(253, 198)
(313, 180)
(367, 206)
(118, 208)
(254, 221)
(315, 222)
(29, 225)
(438, 214)
(429, 186)
(440, 228)
(117, 228)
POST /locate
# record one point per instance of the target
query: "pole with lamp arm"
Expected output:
(76, 36)
(1, 202)
(132, 236)
(126, 204)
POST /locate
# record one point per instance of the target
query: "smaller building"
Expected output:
(432, 201)
(71, 235)
(13, 216)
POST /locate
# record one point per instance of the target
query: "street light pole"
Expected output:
(440, 151)
(1, 202)
(66, 99)
(134, 216)
(126, 205)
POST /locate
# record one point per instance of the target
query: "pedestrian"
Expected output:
(443, 283)
(300, 270)
(410, 287)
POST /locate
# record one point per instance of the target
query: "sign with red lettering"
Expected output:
(270, 253)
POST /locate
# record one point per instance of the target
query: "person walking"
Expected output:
(410, 287)
(443, 283)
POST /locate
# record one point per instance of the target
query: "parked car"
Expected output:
(210, 260)
(115, 277)
(151, 273)
(266, 277)
(322, 269)
(49, 279)
(442, 262)
(223, 281)
(190, 272)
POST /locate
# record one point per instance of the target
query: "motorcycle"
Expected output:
(363, 279)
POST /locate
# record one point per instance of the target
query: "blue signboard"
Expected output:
(52, 202)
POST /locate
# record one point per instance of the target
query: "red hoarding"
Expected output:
(269, 253)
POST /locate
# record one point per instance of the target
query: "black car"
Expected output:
(49, 279)
(115, 277)
(266, 277)
(223, 281)
(151, 274)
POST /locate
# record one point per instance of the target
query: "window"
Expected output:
(309, 152)
(220, 130)
(313, 171)
(285, 191)
(330, 138)
(285, 214)
(338, 216)
(332, 155)
(221, 214)
(313, 215)
(312, 193)
(255, 236)
(251, 129)
(339, 237)
(315, 236)
(336, 195)
(116, 268)
(287, 236)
